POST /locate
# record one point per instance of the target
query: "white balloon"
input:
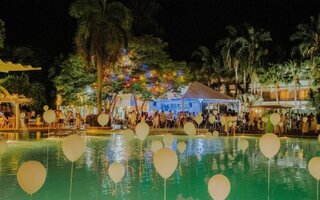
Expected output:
(219, 187)
(304, 119)
(3, 147)
(269, 145)
(31, 176)
(142, 130)
(223, 120)
(243, 144)
(265, 119)
(116, 172)
(49, 116)
(156, 145)
(212, 119)
(103, 119)
(45, 107)
(208, 135)
(128, 134)
(189, 128)
(215, 112)
(168, 139)
(275, 118)
(215, 134)
(22, 115)
(181, 146)
(165, 161)
(73, 147)
(314, 167)
(198, 119)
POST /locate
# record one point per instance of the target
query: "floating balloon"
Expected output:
(198, 119)
(128, 134)
(304, 119)
(243, 144)
(3, 147)
(31, 176)
(181, 146)
(215, 134)
(103, 119)
(73, 147)
(22, 115)
(168, 139)
(142, 130)
(212, 119)
(156, 145)
(215, 112)
(45, 107)
(219, 187)
(269, 145)
(116, 172)
(189, 128)
(275, 118)
(208, 135)
(49, 116)
(165, 161)
(314, 167)
(265, 119)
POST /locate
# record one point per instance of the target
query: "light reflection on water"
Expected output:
(247, 171)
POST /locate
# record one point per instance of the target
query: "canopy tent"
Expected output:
(192, 98)
(6, 67)
(5, 96)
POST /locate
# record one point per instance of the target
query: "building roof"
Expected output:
(200, 91)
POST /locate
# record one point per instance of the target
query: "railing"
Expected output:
(283, 99)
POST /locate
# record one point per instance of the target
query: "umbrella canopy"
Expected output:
(6, 67)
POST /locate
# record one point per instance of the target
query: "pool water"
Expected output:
(203, 158)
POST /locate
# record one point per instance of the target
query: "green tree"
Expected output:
(250, 51)
(20, 84)
(308, 38)
(73, 80)
(102, 34)
(211, 70)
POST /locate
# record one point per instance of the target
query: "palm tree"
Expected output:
(271, 76)
(228, 48)
(293, 73)
(308, 37)
(212, 71)
(251, 51)
(102, 34)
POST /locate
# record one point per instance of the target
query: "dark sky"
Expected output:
(186, 23)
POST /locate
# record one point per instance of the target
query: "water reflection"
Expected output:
(247, 170)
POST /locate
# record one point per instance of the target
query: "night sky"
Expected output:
(187, 24)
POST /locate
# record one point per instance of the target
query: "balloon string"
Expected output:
(269, 179)
(317, 189)
(164, 189)
(70, 189)
(48, 151)
(31, 196)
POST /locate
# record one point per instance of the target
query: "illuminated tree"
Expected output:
(101, 35)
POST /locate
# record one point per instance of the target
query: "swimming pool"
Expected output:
(202, 159)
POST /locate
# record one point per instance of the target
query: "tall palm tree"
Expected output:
(271, 76)
(308, 38)
(251, 51)
(293, 73)
(2, 33)
(211, 71)
(228, 52)
(102, 34)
